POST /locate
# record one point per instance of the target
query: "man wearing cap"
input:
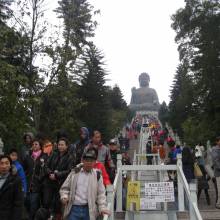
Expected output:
(83, 192)
(113, 150)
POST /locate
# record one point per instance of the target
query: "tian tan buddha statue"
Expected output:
(144, 98)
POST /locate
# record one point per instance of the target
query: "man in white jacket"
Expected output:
(83, 192)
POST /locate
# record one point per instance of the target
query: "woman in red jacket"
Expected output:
(98, 165)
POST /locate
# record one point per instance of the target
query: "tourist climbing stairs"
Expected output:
(184, 206)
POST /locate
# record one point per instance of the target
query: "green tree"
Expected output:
(198, 36)
(60, 99)
(28, 20)
(58, 110)
(164, 113)
(181, 103)
(116, 98)
(13, 61)
(93, 91)
(118, 110)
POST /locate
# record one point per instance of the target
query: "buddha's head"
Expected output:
(144, 80)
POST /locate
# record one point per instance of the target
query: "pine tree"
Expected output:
(60, 100)
(119, 111)
(164, 113)
(116, 98)
(182, 98)
(93, 91)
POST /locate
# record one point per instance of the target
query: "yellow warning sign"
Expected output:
(133, 194)
(143, 158)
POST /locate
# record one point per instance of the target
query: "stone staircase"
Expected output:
(206, 215)
(119, 215)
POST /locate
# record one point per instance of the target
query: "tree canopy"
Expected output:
(53, 82)
(195, 104)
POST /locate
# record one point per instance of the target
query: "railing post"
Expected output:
(158, 157)
(180, 184)
(119, 161)
(134, 158)
(193, 195)
(133, 173)
(138, 162)
(110, 200)
(119, 185)
(133, 178)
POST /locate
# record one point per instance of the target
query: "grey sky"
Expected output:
(136, 36)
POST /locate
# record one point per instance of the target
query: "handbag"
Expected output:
(197, 170)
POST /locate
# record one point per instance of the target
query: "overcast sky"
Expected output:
(136, 36)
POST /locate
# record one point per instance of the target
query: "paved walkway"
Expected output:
(209, 212)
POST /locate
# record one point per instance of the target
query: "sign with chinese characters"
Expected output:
(133, 194)
(159, 192)
(146, 205)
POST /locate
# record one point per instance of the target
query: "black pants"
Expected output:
(206, 195)
(51, 198)
(216, 188)
(32, 203)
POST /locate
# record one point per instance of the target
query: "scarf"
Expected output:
(36, 154)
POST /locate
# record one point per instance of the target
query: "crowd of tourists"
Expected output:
(45, 180)
(60, 180)
(203, 164)
(200, 164)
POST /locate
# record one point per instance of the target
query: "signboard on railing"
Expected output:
(133, 194)
(146, 205)
(159, 192)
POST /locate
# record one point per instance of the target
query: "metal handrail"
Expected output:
(111, 203)
(148, 167)
(184, 181)
(196, 210)
(179, 170)
(153, 155)
(188, 194)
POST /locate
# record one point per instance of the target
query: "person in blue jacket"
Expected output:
(20, 171)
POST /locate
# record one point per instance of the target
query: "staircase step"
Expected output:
(148, 179)
(210, 214)
(119, 215)
(182, 215)
(206, 215)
